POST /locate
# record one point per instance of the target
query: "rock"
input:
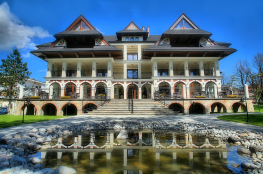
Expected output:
(249, 166)
(122, 135)
(65, 170)
(235, 165)
(260, 171)
(243, 151)
(232, 139)
(254, 149)
(23, 145)
(4, 162)
(243, 135)
(45, 171)
(18, 136)
(65, 132)
(34, 135)
(3, 141)
(35, 160)
(34, 130)
(42, 129)
(17, 161)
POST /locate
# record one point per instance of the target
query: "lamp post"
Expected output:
(26, 102)
(242, 100)
(68, 104)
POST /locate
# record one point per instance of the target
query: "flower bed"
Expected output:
(65, 97)
(231, 96)
(35, 97)
(200, 96)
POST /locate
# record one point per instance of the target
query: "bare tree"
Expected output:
(257, 63)
(243, 73)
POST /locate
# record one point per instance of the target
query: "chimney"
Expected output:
(148, 30)
(143, 28)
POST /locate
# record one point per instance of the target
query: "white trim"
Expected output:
(70, 82)
(195, 81)
(84, 82)
(179, 81)
(54, 82)
(158, 83)
(99, 82)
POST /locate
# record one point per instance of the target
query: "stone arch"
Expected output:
(51, 110)
(210, 81)
(68, 91)
(119, 91)
(54, 82)
(29, 109)
(119, 84)
(219, 106)
(89, 103)
(179, 81)
(55, 91)
(131, 83)
(158, 83)
(70, 82)
(83, 83)
(71, 109)
(135, 91)
(198, 108)
(238, 107)
(146, 91)
(174, 107)
(100, 82)
(196, 82)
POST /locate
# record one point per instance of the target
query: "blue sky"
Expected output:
(24, 24)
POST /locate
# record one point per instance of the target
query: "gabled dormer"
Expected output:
(80, 34)
(184, 33)
(132, 33)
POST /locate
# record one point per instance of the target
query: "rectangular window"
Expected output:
(162, 72)
(127, 39)
(132, 56)
(102, 73)
(136, 39)
(132, 74)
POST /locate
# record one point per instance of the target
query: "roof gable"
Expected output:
(132, 26)
(81, 23)
(184, 22)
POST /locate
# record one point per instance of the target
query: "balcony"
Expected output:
(209, 72)
(179, 72)
(56, 73)
(71, 73)
(194, 72)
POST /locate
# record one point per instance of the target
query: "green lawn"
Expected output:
(257, 109)
(15, 120)
(255, 119)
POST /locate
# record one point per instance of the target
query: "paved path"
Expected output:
(207, 119)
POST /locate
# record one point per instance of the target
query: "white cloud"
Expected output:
(27, 55)
(13, 33)
(99, 31)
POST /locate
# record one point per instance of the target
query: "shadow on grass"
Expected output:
(15, 120)
(254, 119)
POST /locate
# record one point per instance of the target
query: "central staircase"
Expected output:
(140, 107)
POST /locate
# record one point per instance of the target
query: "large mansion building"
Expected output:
(182, 61)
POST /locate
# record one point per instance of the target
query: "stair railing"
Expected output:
(130, 105)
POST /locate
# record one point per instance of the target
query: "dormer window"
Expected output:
(137, 39)
(127, 39)
(132, 38)
(183, 24)
(81, 26)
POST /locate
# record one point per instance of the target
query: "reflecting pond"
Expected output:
(142, 152)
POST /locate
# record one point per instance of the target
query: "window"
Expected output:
(183, 24)
(162, 72)
(132, 38)
(102, 73)
(132, 74)
(127, 39)
(137, 39)
(81, 26)
(132, 57)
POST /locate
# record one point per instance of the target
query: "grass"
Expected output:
(254, 119)
(15, 120)
(257, 108)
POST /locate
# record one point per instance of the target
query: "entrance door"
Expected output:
(146, 91)
(133, 89)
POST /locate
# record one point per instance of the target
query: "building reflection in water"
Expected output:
(142, 152)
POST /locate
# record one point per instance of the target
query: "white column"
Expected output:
(94, 68)
(246, 91)
(51, 92)
(125, 52)
(109, 74)
(201, 68)
(188, 92)
(217, 68)
(125, 71)
(81, 92)
(79, 140)
(62, 91)
(184, 91)
(139, 52)
(79, 69)
(64, 68)
(171, 68)
(49, 68)
(111, 138)
(215, 91)
(155, 68)
(124, 157)
(140, 90)
(21, 92)
(112, 91)
(139, 70)
(186, 68)
(125, 91)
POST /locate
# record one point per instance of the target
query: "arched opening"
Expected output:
(146, 91)
(133, 91)
(177, 108)
(165, 89)
(100, 139)
(69, 109)
(70, 90)
(86, 90)
(238, 107)
(49, 109)
(118, 91)
(178, 90)
(218, 108)
(88, 107)
(133, 137)
(210, 90)
(29, 109)
(196, 108)
(195, 89)
(101, 90)
(56, 90)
